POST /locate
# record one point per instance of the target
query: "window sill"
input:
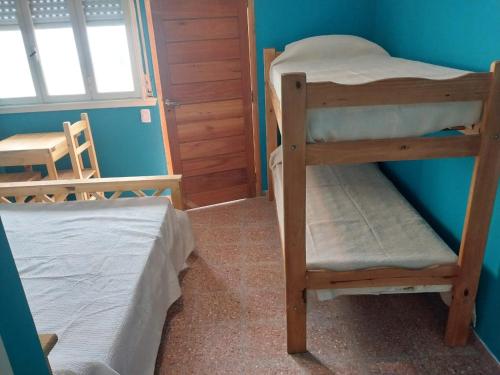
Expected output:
(54, 107)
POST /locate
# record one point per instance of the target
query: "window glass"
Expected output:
(15, 75)
(57, 47)
(109, 47)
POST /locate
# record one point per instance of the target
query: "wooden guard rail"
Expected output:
(57, 190)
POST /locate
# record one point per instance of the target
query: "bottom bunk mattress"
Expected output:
(101, 275)
(356, 219)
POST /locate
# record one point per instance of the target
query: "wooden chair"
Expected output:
(73, 133)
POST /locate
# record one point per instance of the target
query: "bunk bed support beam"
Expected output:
(478, 217)
(271, 120)
(326, 279)
(366, 151)
(294, 102)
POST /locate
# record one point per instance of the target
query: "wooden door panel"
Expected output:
(207, 130)
(203, 55)
(175, 9)
(204, 50)
(209, 111)
(198, 167)
(205, 72)
(214, 181)
(219, 146)
(205, 198)
(201, 29)
(202, 91)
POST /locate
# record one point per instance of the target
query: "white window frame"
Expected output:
(141, 92)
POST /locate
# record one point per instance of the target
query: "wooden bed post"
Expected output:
(293, 94)
(271, 123)
(477, 221)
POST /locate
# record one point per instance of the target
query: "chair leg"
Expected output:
(296, 313)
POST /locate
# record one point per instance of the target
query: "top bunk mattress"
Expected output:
(101, 275)
(352, 60)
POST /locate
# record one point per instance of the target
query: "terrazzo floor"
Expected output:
(230, 319)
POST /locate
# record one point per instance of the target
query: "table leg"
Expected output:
(51, 169)
(52, 175)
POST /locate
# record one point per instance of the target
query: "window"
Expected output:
(56, 51)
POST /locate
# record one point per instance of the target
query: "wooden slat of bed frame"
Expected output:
(62, 188)
(470, 87)
(271, 118)
(325, 279)
(414, 148)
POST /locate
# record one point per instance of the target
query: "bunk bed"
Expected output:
(102, 273)
(339, 103)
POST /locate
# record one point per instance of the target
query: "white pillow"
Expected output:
(332, 46)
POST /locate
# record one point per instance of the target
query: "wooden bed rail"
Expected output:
(324, 279)
(51, 191)
(366, 151)
(290, 115)
(470, 87)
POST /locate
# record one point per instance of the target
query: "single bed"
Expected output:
(351, 60)
(101, 275)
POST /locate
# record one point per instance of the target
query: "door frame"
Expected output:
(253, 87)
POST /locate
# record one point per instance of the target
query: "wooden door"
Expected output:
(204, 65)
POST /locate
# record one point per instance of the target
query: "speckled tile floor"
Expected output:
(230, 319)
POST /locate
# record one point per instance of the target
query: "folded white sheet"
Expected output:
(101, 275)
(352, 60)
(356, 219)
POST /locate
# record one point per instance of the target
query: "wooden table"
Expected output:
(34, 149)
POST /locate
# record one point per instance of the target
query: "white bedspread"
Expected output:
(356, 219)
(101, 275)
(352, 60)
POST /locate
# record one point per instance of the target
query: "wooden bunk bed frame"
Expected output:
(51, 191)
(297, 96)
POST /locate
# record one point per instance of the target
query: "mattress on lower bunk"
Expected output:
(352, 60)
(356, 219)
(101, 275)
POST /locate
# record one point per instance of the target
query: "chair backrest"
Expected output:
(73, 133)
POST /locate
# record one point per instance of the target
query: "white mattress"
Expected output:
(352, 60)
(101, 275)
(356, 219)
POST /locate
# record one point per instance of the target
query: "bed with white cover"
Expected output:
(101, 275)
(351, 60)
(356, 219)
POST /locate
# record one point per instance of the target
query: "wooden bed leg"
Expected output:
(294, 205)
(271, 123)
(480, 207)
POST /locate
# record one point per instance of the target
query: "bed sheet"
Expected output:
(101, 275)
(356, 219)
(352, 60)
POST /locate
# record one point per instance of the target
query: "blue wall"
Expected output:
(279, 22)
(463, 34)
(17, 328)
(125, 146)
